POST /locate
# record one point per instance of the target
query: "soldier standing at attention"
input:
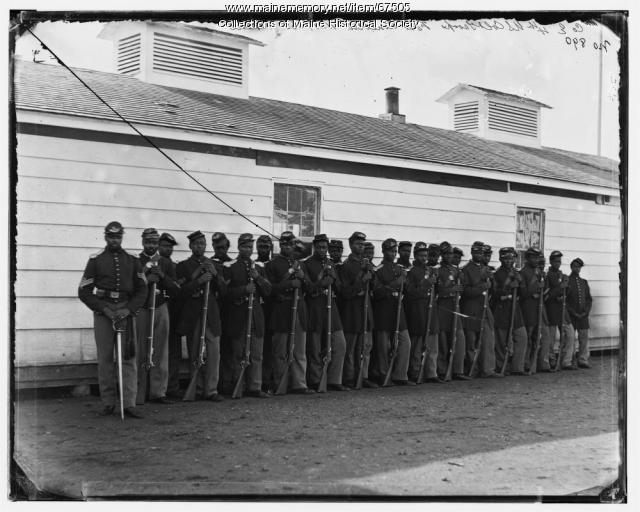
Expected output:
(507, 281)
(244, 278)
(476, 279)
(448, 285)
(354, 274)
(420, 280)
(579, 303)
(160, 271)
(321, 273)
(195, 272)
(286, 275)
(557, 283)
(120, 291)
(264, 247)
(387, 291)
(166, 244)
(404, 255)
(220, 244)
(335, 251)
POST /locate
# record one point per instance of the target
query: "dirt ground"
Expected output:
(548, 434)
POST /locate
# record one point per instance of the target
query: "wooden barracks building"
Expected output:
(285, 165)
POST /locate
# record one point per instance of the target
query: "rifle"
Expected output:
(476, 350)
(237, 389)
(425, 346)
(322, 387)
(284, 379)
(454, 334)
(119, 327)
(533, 362)
(363, 363)
(561, 339)
(190, 393)
(394, 343)
(509, 341)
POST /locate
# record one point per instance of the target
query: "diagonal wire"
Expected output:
(151, 143)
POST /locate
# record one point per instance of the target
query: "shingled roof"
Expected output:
(51, 88)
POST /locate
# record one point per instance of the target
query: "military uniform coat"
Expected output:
(472, 303)
(167, 285)
(351, 296)
(416, 301)
(502, 308)
(236, 274)
(554, 299)
(316, 296)
(385, 300)
(277, 271)
(192, 294)
(579, 301)
(447, 276)
(529, 303)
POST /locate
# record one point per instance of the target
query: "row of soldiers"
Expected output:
(282, 323)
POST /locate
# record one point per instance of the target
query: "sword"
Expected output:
(119, 328)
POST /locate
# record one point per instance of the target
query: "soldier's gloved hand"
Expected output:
(325, 282)
(122, 313)
(109, 313)
(254, 274)
(564, 284)
(367, 277)
(153, 277)
(299, 274)
(251, 288)
(296, 283)
(396, 284)
(207, 276)
(514, 284)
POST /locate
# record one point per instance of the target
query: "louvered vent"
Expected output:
(129, 55)
(465, 116)
(197, 59)
(513, 119)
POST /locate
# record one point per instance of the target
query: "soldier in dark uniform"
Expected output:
(335, 251)
(557, 283)
(321, 273)
(245, 277)
(387, 291)
(286, 275)
(264, 248)
(166, 244)
(476, 279)
(433, 255)
(369, 251)
(456, 256)
(404, 255)
(120, 291)
(160, 271)
(448, 285)
(195, 272)
(420, 280)
(354, 274)
(506, 282)
(220, 244)
(532, 287)
(579, 303)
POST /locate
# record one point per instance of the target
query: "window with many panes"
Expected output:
(296, 208)
(529, 231)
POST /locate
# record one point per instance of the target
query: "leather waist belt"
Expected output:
(110, 294)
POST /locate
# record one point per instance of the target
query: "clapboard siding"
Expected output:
(68, 190)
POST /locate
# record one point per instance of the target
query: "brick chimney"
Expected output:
(393, 106)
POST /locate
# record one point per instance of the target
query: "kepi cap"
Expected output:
(320, 238)
(357, 235)
(336, 244)
(506, 250)
(166, 237)
(195, 235)
(245, 238)
(218, 237)
(458, 251)
(404, 244)
(578, 261)
(477, 247)
(486, 249)
(287, 237)
(264, 240)
(532, 251)
(445, 247)
(113, 228)
(389, 243)
(554, 255)
(150, 233)
(419, 247)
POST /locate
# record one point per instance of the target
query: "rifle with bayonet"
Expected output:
(364, 361)
(533, 362)
(509, 341)
(146, 366)
(396, 337)
(284, 378)
(564, 312)
(322, 386)
(246, 358)
(454, 332)
(425, 344)
(478, 346)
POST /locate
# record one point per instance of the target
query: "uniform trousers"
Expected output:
(280, 353)
(207, 383)
(159, 372)
(107, 365)
(431, 363)
(583, 346)
(382, 340)
(316, 348)
(568, 342)
(542, 363)
(487, 356)
(445, 340)
(253, 374)
(517, 350)
(174, 359)
(358, 351)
